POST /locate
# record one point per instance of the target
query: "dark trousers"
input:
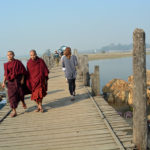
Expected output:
(72, 86)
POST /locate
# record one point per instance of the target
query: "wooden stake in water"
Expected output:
(139, 90)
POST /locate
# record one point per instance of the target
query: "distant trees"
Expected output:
(119, 46)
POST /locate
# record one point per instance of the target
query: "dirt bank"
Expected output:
(110, 55)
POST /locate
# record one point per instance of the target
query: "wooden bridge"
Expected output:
(85, 124)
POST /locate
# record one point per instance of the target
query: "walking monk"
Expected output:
(14, 74)
(37, 79)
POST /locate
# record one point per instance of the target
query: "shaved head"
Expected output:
(33, 51)
(12, 52)
(33, 54)
(10, 55)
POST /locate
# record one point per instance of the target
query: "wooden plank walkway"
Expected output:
(85, 124)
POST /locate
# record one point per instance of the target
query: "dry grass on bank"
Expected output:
(110, 55)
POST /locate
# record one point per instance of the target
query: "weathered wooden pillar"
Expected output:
(48, 59)
(80, 68)
(86, 76)
(75, 52)
(95, 82)
(139, 90)
(92, 83)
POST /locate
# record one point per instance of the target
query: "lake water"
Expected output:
(119, 68)
(2, 69)
(2, 103)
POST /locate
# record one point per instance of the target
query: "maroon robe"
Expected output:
(37, 78)
(13, 71)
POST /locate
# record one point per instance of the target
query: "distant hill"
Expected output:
(118, 47)
(112, 47)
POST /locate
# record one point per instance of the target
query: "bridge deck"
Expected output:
(85, 124)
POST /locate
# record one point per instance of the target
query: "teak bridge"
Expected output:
(88, 122)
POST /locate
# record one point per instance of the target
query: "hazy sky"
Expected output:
(81, 24)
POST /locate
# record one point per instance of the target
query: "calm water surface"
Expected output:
(119, 68)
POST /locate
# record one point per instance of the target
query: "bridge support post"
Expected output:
(48, 59)
(86, 76)
(79, 68)
(139, 90)
(95, 82)
(75, 52)
(83, 68)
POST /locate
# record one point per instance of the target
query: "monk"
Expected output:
(37, 79)
(14, 75)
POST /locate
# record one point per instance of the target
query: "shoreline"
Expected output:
(111, 55)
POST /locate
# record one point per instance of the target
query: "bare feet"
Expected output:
(13, 115)
(37, 110)
(24, 106)
(41, 110)
(40, 107)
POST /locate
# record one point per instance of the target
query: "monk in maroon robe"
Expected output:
(37, 78)
(14, 74)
